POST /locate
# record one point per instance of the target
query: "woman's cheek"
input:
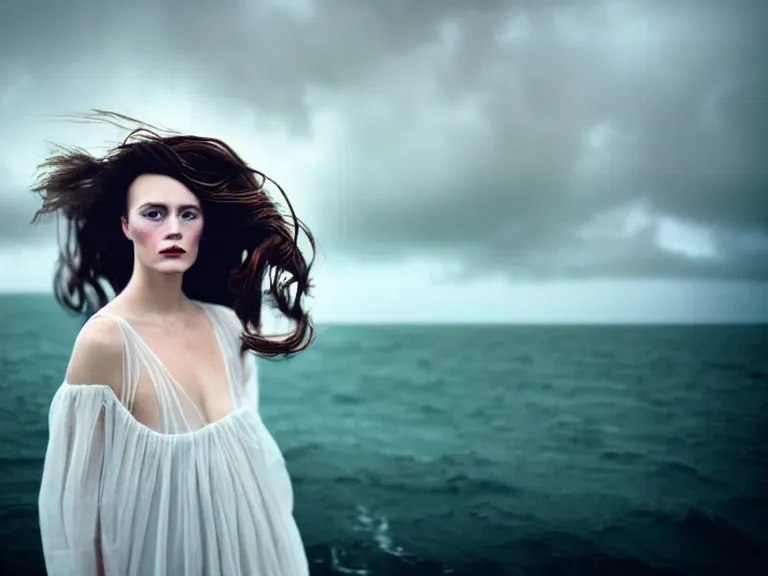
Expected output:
(144, 236)
(196, 234)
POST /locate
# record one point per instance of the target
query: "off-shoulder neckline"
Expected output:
(109, 394)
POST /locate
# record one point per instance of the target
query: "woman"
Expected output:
(158, 462)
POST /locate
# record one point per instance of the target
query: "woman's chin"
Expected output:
(173, 266)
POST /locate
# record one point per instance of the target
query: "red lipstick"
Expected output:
(173, 251)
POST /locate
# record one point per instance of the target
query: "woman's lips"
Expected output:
(173, 252)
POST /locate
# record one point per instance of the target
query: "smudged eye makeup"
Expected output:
(157, 213)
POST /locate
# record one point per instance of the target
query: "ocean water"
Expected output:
(488, 450)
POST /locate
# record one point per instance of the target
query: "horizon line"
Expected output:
(618, 323)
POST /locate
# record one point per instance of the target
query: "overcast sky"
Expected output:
(458, 160)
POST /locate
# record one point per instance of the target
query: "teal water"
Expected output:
(474, 450)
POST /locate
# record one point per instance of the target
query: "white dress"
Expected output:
(184, 497)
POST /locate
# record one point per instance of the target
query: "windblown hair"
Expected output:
(245, 237)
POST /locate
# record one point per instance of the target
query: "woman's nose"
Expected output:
(174, 232)
(175, 226)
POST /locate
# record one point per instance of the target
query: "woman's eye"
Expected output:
(188, 215)
(152, 214)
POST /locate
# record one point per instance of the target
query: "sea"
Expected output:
(474, 450)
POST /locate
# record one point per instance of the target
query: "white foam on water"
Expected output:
(337, 567)
(378, 528)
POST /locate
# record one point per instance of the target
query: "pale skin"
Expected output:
(161, 213)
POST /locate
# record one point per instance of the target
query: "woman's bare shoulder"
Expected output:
(97, 356)
(227, 316)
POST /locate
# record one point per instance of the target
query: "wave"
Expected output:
(334, 560)
(746, 371)
(674, 469)
(689, 542)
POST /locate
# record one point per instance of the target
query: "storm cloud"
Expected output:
(539, 140)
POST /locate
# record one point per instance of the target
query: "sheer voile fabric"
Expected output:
(182, 497)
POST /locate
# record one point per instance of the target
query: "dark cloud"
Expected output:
(500, 153)
(15, 218)
(17, 207)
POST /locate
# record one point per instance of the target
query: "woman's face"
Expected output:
(164, 223)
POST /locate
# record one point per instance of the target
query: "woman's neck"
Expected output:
(152, 293)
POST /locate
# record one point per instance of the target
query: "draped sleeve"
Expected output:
(71, 487)
(247, 371)
(251, 380)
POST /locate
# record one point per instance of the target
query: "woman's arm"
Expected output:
(71, 487)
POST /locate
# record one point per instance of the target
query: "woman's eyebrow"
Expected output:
(165, 206)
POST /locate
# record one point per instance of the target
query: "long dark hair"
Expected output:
(245, 238)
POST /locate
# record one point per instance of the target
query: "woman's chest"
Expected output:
(192, 370)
